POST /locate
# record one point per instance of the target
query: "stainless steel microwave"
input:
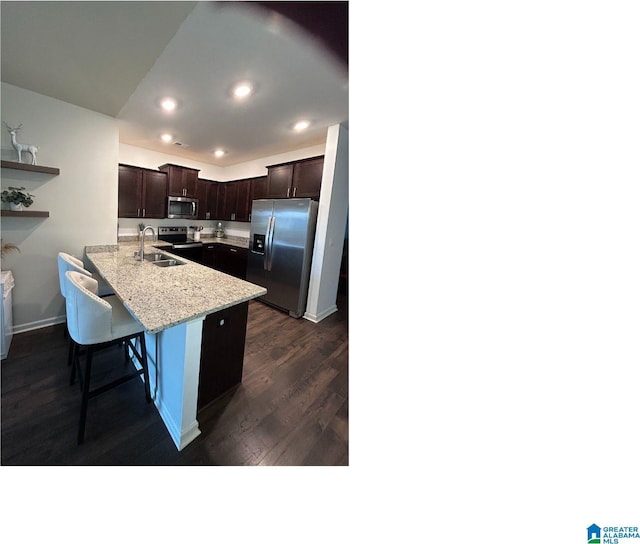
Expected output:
(181, 207)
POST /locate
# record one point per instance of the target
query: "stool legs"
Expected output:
(85, 381)
(85, 395)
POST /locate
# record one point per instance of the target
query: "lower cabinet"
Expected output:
(222, 352)
(228, 259)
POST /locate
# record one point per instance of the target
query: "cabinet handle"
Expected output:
(288, 189)
(233, 250)
(233, 217)
(144, 212)
(138, 214)
(294, 191)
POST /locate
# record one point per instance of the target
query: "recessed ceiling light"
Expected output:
(301, 125)
(242, 90)
(166, 137)
(168, 104)
(219, 152)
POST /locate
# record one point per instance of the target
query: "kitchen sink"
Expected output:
(161, 259)
(167, 262)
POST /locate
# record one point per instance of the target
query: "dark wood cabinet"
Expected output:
(227, 196)
(154, 194)
(231, 260)
(299, 179)
(226, 258)
(222, 352)
(307, 178)
(279, 181)
(141, 192)
(243, 200)
(209, 255)
(234, 202)
(259, 188)
(182, 181)
(207, 195)
(129, 191)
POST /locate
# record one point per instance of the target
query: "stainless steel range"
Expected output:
(181, 245)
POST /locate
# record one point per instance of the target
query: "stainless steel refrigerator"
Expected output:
(280, 248)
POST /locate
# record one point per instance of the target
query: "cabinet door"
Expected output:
(279, 181)
(189, 181)
(181, 181)
(212, 200)
(259, 188)
(307, 179)
(201, 195)
(129, 191)
(174, 181)
(243, 204)
(154, 194)
(222, 352)
(228, 193)
(209, 255)
(231, 260)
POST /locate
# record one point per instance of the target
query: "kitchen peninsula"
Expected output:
(172, 303)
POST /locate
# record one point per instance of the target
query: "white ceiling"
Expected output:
(120, 58)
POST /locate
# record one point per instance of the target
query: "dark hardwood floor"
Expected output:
(290, 410)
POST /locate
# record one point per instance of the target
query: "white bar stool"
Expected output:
(67, 262)
(95, 323)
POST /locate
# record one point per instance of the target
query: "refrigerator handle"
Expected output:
(268, 243)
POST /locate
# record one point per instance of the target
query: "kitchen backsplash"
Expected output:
(129, 226)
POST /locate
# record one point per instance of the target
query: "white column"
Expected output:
(174, 359)
(333, 208)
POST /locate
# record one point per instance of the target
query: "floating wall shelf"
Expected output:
(10, 213)
(31, 167)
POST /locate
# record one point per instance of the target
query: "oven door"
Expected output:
(180, 207)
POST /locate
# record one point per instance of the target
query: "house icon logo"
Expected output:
(593, 534)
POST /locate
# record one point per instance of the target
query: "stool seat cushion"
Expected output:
(94, 320)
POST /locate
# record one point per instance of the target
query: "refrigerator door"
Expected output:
(261, 214)
(289, 253)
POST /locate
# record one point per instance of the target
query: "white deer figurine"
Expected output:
(21, 147)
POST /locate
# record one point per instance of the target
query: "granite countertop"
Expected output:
(164, 297)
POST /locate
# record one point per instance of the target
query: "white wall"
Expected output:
(145, 158)
(333, 209)
(82, 201)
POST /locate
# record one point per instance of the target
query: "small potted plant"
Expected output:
(17, 197)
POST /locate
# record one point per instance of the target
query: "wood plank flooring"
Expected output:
(291, 409)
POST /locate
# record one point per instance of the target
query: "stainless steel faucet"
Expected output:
(140, 256)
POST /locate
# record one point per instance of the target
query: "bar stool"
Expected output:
(67, 262)
(95, 323)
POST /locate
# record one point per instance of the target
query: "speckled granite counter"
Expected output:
(164, 297)
(171, 303)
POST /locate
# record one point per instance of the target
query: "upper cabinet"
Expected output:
(141, 192)
(298, 179)
(207, 195)
(233, 200)
(182, 181)
(259, 188)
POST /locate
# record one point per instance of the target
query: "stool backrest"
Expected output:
(68, 262)
(88, 315)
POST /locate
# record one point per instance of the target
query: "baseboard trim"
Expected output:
(316, 318)
(41, 324)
